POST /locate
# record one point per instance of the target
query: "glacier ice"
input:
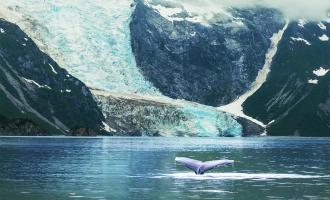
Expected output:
(206, 121)
(90, 38)
(164, 116)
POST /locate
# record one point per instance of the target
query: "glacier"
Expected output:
(90, 38)
(162, 116)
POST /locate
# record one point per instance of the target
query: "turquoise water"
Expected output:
(144, 168)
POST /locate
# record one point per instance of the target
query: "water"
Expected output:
(144, 168)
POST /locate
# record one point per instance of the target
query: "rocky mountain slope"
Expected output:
(37, 97)
(295, 99)
(161, 68)
(210, 63)
(113, 69)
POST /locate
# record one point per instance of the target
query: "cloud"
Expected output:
(294, 9)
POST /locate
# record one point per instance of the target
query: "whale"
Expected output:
(200, 167)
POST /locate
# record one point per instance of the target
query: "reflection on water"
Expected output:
(238, 176)
(144, 168)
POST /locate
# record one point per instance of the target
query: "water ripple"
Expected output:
(239, 176)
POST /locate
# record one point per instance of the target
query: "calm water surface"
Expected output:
(144, 168)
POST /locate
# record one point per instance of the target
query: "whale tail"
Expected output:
(200, 167)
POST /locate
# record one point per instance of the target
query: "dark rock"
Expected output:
(34, 90)
(211, 64)
(82, 132)
(20, 127)
(250, 128)
(287, 99)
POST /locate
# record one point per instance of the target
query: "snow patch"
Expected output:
(321, 71)
(301, 40)
(322, 26)
(68, 91)
(313, 81)
(51, 66)
(235, 107)
(271, 122)
(324, 38)
(302, 22)
(107, 128)
(2, 30)
(37, 84)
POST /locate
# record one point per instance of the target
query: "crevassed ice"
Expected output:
(206, 121)
(90, 38)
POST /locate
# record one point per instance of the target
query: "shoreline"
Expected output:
(148, 137)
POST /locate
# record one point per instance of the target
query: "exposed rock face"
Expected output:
(194, 62)
(250, 128)
(83, 132)
(295, 98)
(134, 115)
(137, 117)
(209, 64)
(20, 127)
(38, 97)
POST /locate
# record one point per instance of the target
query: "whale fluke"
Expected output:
(200, 167)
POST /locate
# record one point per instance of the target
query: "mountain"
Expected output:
(295, 98)
(209, 62)
(37, 97)
(104, 60)
(161, 68)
